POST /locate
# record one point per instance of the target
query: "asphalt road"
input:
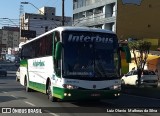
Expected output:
(13, 95)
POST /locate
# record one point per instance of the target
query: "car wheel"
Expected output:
(122, 82)
(136, 83)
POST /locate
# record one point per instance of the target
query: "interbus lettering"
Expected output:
(83, 38)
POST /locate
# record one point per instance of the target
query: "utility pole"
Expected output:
(62, 12)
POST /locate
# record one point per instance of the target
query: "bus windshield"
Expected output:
(89, 54)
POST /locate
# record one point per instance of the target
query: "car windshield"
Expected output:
(90, 59)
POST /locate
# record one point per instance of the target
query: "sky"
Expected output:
(10, 9)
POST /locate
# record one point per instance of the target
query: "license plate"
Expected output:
(95, 94)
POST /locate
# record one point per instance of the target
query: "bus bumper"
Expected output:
(76, 94)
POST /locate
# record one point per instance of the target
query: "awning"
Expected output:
(152, 57)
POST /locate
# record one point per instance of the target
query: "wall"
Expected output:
(138, 21)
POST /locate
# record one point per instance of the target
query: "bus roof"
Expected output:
(71, 28)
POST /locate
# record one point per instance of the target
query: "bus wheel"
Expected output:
(26, 87)
(49, 93)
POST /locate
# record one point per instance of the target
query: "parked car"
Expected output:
(148, 78)
(17, 75)
(3, 71)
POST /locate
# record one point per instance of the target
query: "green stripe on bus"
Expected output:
(23, 63)
(76, 94)
(37, 86)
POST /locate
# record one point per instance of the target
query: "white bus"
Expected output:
(72, 63)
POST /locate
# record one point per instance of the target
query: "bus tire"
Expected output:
(26, 85)
(49, 93)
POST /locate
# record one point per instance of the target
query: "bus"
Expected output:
(73, 63)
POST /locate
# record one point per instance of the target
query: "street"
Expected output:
(13, 95)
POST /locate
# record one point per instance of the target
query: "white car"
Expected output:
(148, 78)
(17, 75)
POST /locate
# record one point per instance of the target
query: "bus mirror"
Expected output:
(127, 53)
(58, 50)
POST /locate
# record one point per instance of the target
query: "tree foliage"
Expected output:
(140, 50)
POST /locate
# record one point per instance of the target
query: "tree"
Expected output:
(140, 50)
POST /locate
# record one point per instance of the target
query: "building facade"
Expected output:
(43, 21)
(9, 38)
(95, 13)
(130, 19)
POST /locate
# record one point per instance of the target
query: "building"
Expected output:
(130, 19)
(95, 13)
(9, 38)
(43, 21)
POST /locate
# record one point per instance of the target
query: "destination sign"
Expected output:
(84, 38)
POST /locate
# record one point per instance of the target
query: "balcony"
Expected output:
(84, 3)
(94, 20)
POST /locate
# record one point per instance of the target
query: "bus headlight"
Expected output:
(115, 87)
(68, 86)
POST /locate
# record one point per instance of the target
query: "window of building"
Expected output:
(98, 10)
(46, 28)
